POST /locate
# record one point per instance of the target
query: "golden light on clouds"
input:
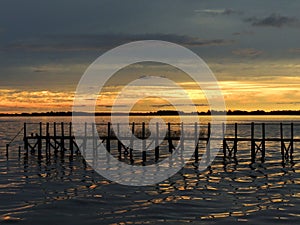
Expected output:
(30, 101)
(268, 91)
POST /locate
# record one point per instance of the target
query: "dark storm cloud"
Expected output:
(274, 20)
(104, 41)
(248, 52)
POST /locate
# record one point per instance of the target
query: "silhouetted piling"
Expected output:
(196, 135)
(143, 143)
(157, 142)
(55, 139)
(208, 143)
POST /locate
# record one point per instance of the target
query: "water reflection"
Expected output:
(64, 189)
(229, 189)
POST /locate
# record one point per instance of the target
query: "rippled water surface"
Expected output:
(64, 190)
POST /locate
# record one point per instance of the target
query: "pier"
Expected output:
(54, 138)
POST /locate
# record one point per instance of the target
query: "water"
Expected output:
(66, 190)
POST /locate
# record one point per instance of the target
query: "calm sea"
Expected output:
(64, 190)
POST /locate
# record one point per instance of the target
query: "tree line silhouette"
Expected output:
(159, 112)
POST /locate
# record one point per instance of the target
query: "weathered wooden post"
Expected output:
(131, 143)
(62, 140)
(84, 141)
(224, 140)
(253, 155)
(7, 146)
(41, 129)
(157, 142)
(196, 136)
(71, 138)
(119, 142)
(93, 137)
(281, 141)
(208, 143)
(108, 137)
(54, 138)
(39, 139)
(170, 138)
(47, 139)
(182, 137)
(235, 143)
(263, 143)
(292, 141)
(38, 135)
(25, 138)
(144, 143)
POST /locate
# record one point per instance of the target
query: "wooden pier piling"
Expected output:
(44, 139)
(131, 143)
(157, 143)
(144, 154)
(62, 140)
(196, 134)
(208, 143)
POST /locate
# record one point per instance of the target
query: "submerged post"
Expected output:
(47, 139)
(131, 143)
(196, 136)
(253, 155)
(144, 143)
(108, 137)
(119, 142)
(157, 142)
(84, 141)
(93, 139)
(40, 140)
(54, 137)
(25, 139)
(169, 138)
(224, 140)
(7, 146)
(71, 138)
(182, 137)
(281, 141)
(208, 143)
(62, 141)
(41, 129)
(263, 142)
(292, 141)
(235, 139)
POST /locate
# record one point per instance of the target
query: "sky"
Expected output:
(252, 47)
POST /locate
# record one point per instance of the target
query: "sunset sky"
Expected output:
(252, 47)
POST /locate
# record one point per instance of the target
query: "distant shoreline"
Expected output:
(159, 113)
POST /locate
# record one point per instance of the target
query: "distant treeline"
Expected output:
(160, 113)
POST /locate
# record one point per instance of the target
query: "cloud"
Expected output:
(294, 50)
(115, 105)
(178, 105)
(274, 20)
(250, 52)
(68, 43)
(22, 100)
(245, 32)
(40, 71)
(220, 11)
(288, 103)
